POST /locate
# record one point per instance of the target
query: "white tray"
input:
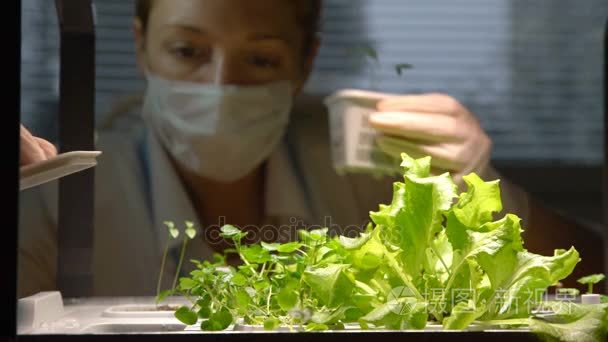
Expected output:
(63, 165)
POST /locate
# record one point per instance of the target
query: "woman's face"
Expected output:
(238, 42)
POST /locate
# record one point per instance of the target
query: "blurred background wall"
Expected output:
(530, 70)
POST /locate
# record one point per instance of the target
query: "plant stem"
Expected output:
(262, 271)
(434, 249)
(395, 266)
(385, 289)
(238, 250)
(213, 299)
(162, 268)
(181, 259)
(248, 264)
(268, 300)
(452, 277)
(590, 285)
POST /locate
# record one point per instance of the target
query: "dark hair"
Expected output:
(309, 16)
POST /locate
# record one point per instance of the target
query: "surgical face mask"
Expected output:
(220, 132)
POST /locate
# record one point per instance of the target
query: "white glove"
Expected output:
(439, 126)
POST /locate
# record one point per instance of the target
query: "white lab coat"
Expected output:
(135, 194)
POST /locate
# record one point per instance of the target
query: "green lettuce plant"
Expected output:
(430, 256)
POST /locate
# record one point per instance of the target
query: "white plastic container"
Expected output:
(590, 299)
(48, 314)
(141, 311)
(352, 137)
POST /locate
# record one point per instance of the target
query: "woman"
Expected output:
(219, 141)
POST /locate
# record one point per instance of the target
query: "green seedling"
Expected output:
(173, 233)
(591, 280)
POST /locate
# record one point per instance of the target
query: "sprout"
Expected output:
(591, 280)
(190, 233)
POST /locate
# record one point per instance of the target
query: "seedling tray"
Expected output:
(48, 317)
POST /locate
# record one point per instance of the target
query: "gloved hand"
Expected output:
(439, 126)
(34, 149)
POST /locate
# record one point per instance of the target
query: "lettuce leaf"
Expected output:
(574, 323)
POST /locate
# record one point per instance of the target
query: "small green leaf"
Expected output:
(205, 307)
(271, 247)
(217, 321)
(242, 299)
(289, 247)
(186, 316)
(204, 301)
(381, 312)
(164, 294)
(190, 231)
(329, 317)
(187, 283)
(401, 313)
(255, 254)
(463, 314)
(271, 324)
(370, 254)
(354, 243)
(592, 279)
(172, 230)
(353, 314)
(204, 312)
(363, 324)
(260, 285)
(223, 318)
(314, 237)
(239, 280)
(247, 270)
(219, 259)
(319, 234)
(229, 231)
(210, 325)
(287, 298)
